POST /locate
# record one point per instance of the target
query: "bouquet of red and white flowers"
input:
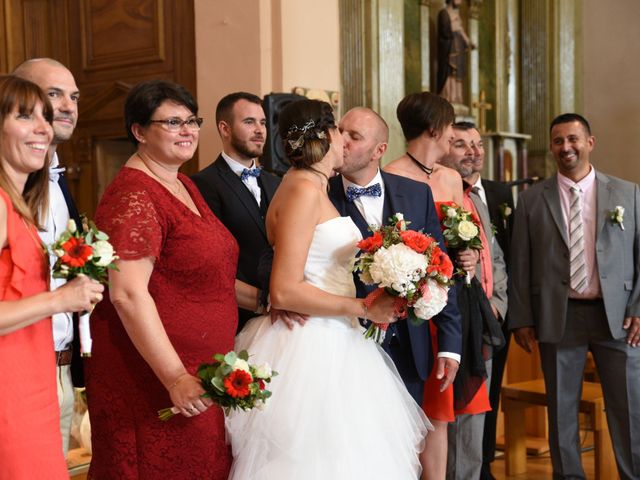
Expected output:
(460, 228)
(231, 382)
(83, 251)
(406, 264)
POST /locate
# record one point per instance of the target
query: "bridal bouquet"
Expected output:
(408, 265)
(460, 228)
(231, 382)
(83, 251)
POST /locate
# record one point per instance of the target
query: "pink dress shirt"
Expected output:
(589, 216)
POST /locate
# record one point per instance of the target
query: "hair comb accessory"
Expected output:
(308, 131)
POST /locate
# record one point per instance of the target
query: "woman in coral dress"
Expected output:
(169, 308)
(426, 120)
(30, 441)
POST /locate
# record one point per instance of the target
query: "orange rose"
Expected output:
(440, 263)
(371, 244)
(416, 241)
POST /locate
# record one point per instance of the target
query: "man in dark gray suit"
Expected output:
(466, 431)
(575, 267)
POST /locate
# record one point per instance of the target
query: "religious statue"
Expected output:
(453, 45)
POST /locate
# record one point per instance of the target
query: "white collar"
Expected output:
(235, 165)
(377, 179)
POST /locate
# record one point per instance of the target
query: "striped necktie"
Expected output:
(578, 267)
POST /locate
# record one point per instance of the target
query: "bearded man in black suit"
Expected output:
(238, 191)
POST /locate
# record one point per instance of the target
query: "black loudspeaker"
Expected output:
(273, 158)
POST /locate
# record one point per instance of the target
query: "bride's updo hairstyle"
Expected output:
(304, 127)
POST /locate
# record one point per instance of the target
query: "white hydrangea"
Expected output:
(398, 267)
(432, 302)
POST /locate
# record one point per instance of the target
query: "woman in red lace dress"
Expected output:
(30, 442)
(170, 307)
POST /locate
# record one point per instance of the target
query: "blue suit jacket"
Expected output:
(415, 201)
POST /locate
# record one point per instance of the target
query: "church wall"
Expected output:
(610, 84)
(261, 46)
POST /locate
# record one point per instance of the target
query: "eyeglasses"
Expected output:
(176, 124)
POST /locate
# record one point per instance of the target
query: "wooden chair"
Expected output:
(519, 396)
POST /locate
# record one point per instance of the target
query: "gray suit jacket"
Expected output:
(499, 298)
(540, 258)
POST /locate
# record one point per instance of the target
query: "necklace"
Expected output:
(173, 188)
(323, 178)
(424, 168)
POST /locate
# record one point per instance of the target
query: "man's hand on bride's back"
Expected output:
(289, 318)
(383, 310)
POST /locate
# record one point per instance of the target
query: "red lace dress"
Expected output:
(30, 442)
(192, 285)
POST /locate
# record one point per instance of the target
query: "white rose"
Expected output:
(467, 230)
(399, 217)
(241, 365)
(104, 251)
(398, 267)
(263, 371)
(507, 211)
(59, 252)
(432, 302)
(451, 213)
(71, 225)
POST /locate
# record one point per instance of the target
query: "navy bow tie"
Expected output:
(250, 172)
(371, 191)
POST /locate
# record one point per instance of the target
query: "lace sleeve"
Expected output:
(131, 220)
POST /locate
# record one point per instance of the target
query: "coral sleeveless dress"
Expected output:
(30, 441)
(439, 405)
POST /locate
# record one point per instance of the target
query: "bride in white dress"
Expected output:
(339, 409)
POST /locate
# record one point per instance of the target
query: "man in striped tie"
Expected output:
(575, 269)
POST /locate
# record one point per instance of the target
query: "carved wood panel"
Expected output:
(109, 45)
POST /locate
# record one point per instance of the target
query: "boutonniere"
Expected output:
(505, 213)
(617, 216)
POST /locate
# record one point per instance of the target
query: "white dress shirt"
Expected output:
(55, 224)
(370, 207)
(251, 182)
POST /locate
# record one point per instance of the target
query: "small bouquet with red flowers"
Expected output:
(460, 228)
(231, 382)
(408, 265)
(83, 251)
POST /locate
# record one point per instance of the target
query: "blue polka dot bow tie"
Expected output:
(250, 172)
(371, 191)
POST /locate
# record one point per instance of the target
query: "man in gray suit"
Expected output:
(464, 459)
(575, 267)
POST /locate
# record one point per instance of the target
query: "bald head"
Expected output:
(365, 136)
(60, 87)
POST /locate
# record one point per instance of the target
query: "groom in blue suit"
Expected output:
(370, 196)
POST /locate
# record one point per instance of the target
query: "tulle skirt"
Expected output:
(339, 409)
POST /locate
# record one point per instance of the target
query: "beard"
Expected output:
(246, 149)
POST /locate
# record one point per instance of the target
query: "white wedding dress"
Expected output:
(339, 409)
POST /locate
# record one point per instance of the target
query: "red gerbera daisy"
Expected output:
(237, 383)
(76, 252)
